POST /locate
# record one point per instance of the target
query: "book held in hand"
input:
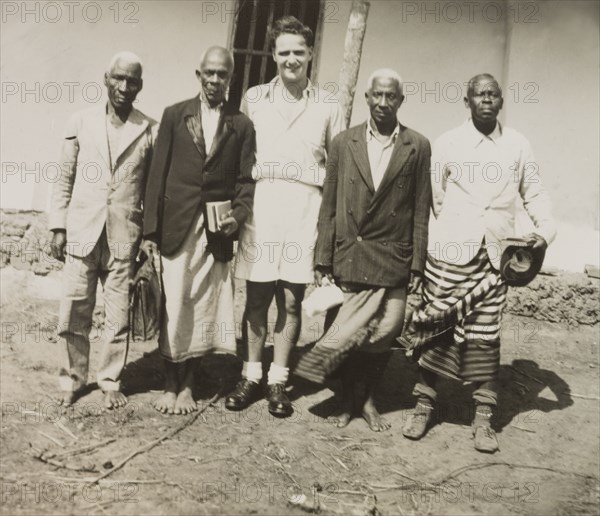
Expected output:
(216, 212)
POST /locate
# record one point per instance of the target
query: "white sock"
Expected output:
(278, 374)
(252, 371)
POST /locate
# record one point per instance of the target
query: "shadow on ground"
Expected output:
(520, 386)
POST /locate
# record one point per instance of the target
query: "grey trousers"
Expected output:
(391, 322)
(80, 281)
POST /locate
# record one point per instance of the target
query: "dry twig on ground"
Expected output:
(156, 442)
(78, 451)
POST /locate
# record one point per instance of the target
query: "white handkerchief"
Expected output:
(322, 299)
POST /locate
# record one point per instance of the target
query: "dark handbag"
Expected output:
(145, 302)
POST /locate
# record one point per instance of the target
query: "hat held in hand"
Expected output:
(520, 262)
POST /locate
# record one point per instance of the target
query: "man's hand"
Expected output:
(323, 275)
(536, 241)
(228, 225)
(57, 244)
(416, 282)
(149, 247)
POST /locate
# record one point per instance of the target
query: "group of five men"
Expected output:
(309, 201)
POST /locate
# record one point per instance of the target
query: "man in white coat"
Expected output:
(96, 221)
(295, 122)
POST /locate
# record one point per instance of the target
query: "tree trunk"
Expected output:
(357, 25)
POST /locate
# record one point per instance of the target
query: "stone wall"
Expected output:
(24, 240)
(572, 298)
(565, 298)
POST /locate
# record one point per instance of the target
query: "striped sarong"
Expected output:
(456, 330)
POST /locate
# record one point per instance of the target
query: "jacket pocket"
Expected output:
(403, 250)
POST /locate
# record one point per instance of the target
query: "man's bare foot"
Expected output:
(185, 403)
(341, 417)
(165, 403)
(65, 398)
(376, 422)
(114, 399)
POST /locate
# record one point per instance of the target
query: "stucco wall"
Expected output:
(40, 58)
(558, 59)
(545, 52)
(546, 55)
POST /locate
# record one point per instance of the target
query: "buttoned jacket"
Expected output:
(375, 236)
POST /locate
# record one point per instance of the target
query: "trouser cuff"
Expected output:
(70, 383)
(421, 389)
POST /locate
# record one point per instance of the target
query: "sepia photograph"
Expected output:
(286, 257)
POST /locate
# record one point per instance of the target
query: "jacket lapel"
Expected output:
(98, 129)
(400, 153)
(358, 148)
(134, 126)
(193, 121)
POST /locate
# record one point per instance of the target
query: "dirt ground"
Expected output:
(250, 463)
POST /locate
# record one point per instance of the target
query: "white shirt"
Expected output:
(292, 142)
(210, 121)
(477, 181)
(379, 153)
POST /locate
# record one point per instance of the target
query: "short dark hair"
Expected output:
(291, 25)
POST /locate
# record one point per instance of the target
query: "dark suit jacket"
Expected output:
(183, 177)
(375, 237)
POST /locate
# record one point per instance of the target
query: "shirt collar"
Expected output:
(205, 103)
(371, 134)
(276, 82)
(475, 137)
(130, 116)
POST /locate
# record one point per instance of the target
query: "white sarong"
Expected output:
(198, 316)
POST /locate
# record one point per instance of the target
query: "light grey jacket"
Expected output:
(91, 195)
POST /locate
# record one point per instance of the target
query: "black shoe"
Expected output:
(279, 404)
(244, 394)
